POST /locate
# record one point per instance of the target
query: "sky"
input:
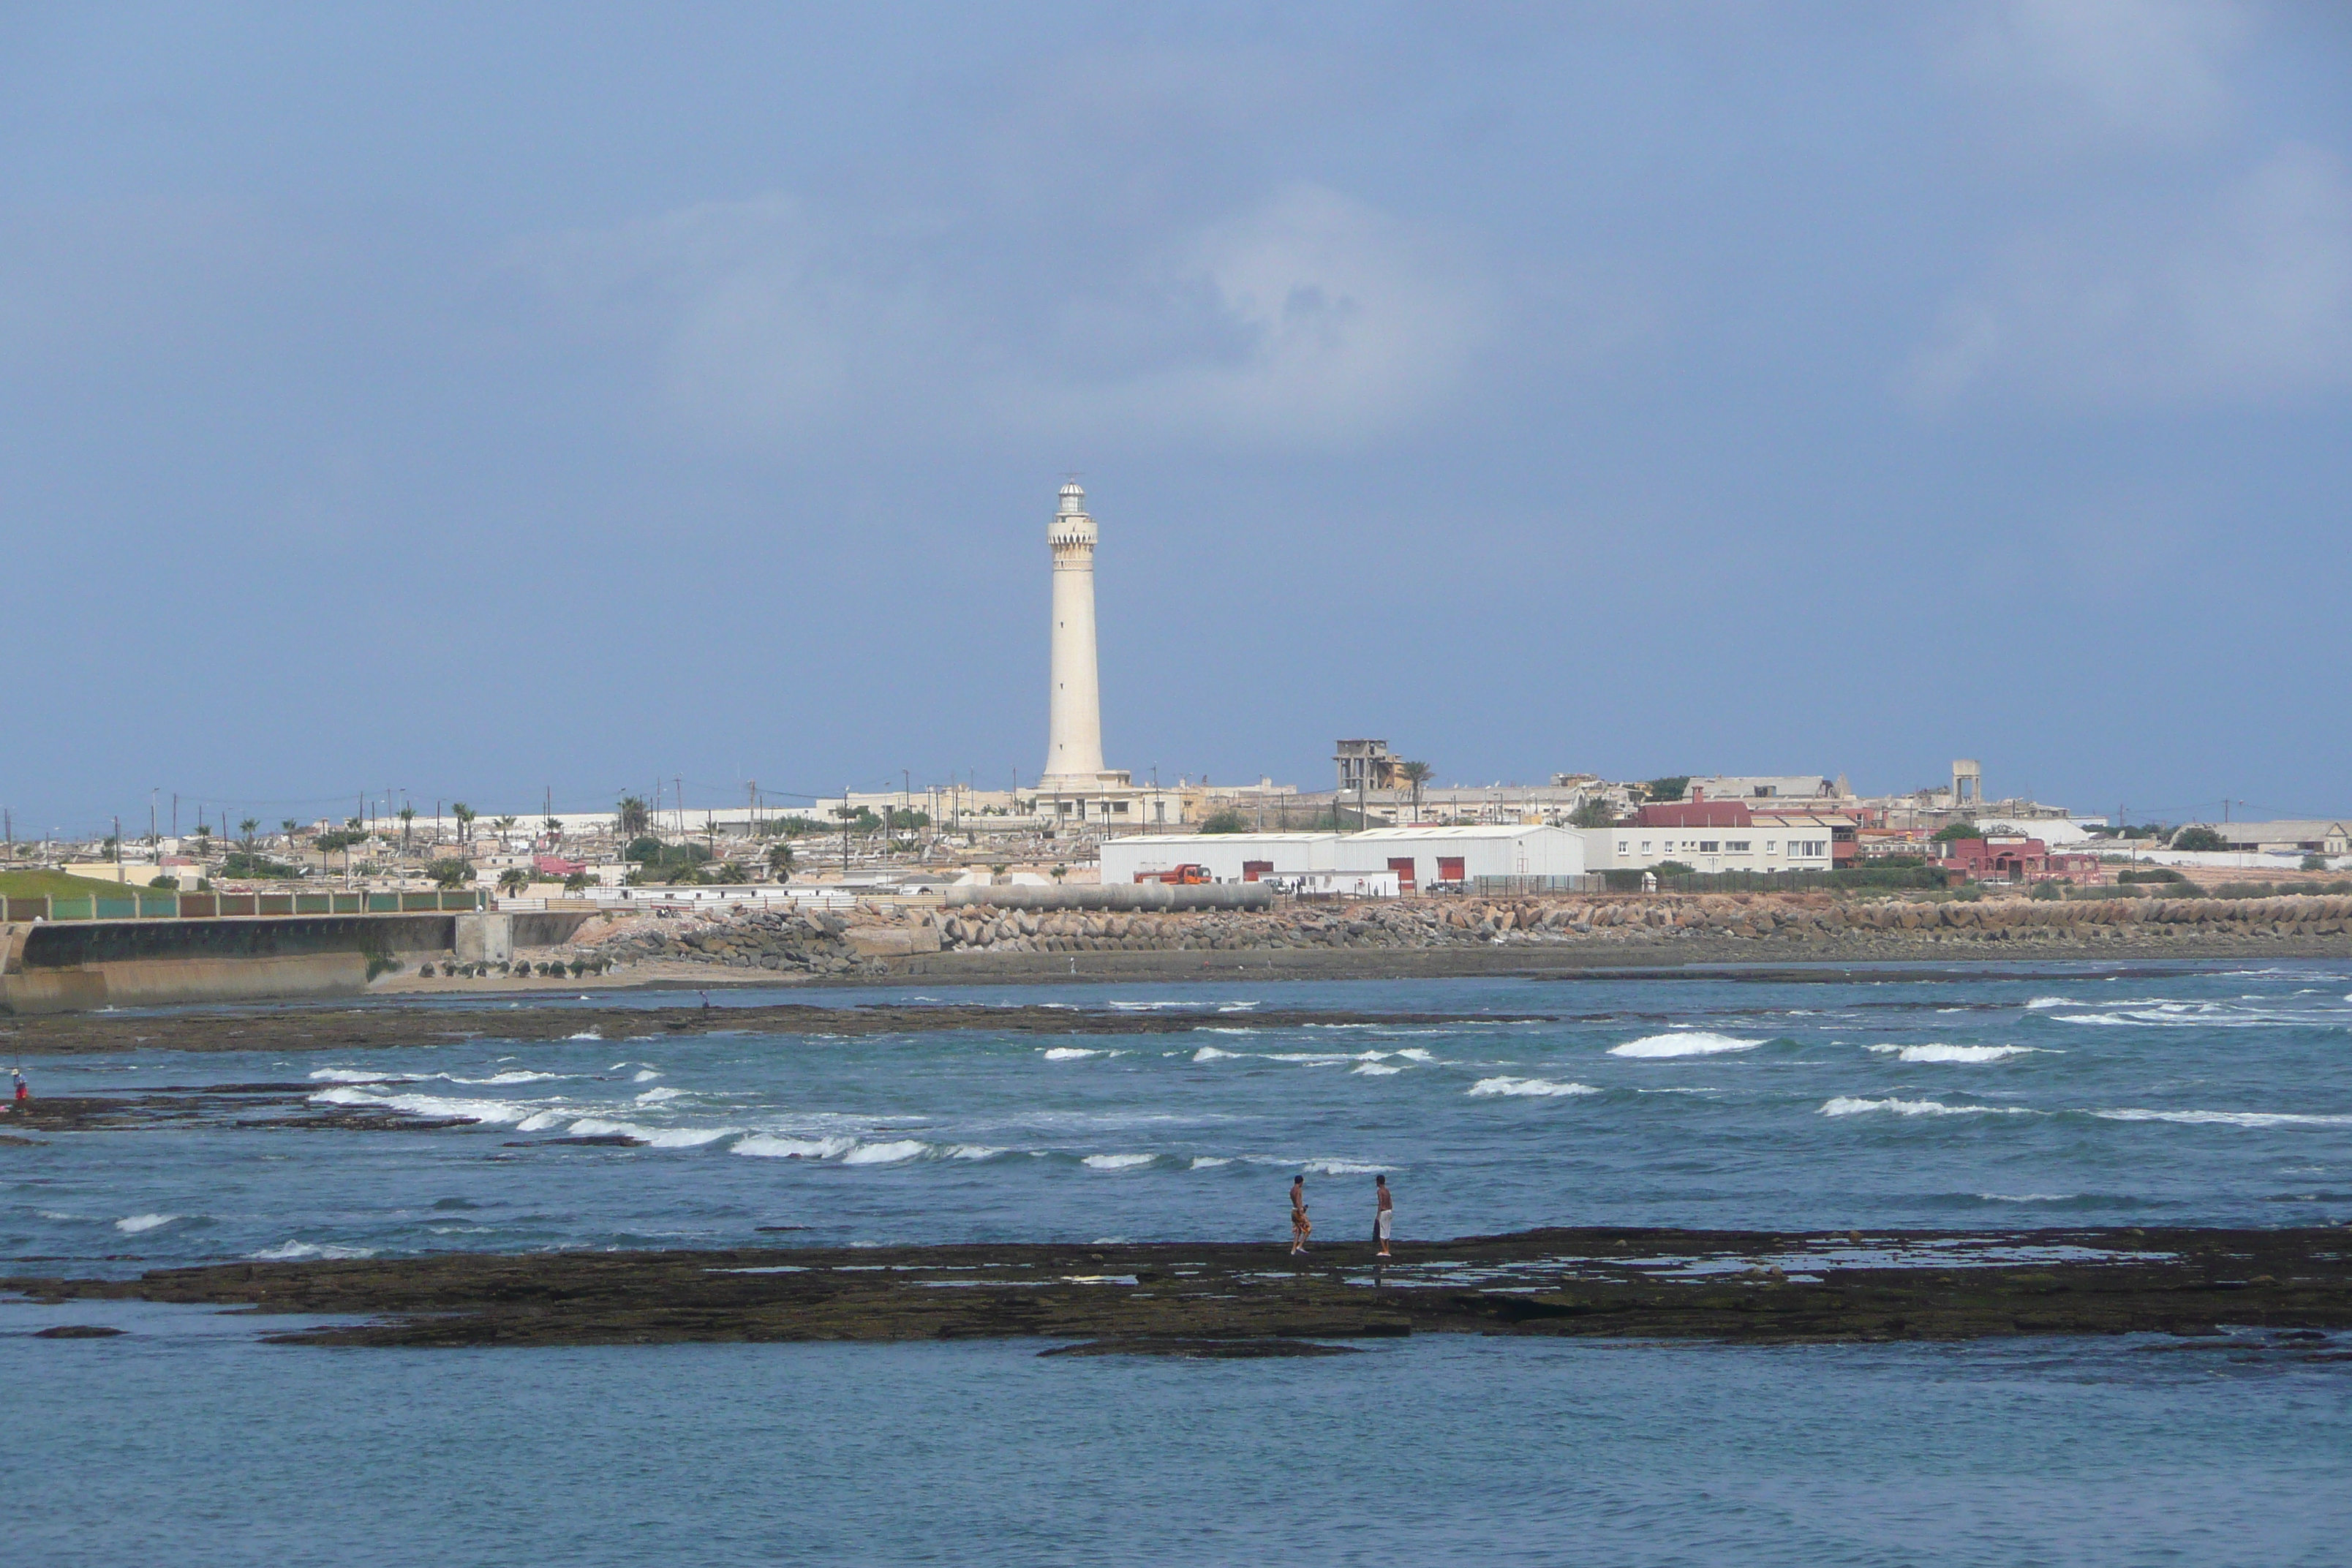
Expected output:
(507, 402)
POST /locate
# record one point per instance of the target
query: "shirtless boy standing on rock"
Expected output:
(1300, 1227)
(1383, 1214)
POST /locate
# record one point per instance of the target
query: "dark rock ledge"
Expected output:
(1204, 1298)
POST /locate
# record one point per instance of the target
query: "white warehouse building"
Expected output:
(1420, 857)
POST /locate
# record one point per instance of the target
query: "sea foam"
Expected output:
(1849, 1105)
(2227, 1117)
(890, 1153)
(134, 1223)
(1683, 1043)
(1117, 1161)
(774, 1146)
(289, 1252)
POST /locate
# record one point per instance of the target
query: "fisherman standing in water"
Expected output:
(1300, 1227)
(23, 1089)
(1383, 1214)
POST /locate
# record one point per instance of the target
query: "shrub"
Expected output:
(1226, 821)
(2046, 890)
(1673, 868)
(1670, 788)
(1952, 830)
(2150, 874)
(2315, 863)
(2199, 838)
(169, 884)
(451, 873)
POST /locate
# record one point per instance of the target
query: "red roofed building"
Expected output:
(2015, 859)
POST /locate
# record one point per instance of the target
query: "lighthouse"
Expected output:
(1074, 757)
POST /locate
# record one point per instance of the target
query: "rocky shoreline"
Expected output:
(1755, 1288)
(879, 942)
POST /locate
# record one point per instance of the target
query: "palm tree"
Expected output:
(779, 862)
(407, 818)
(288, 823)
(465, 816)
(450, 873)
(513, 880)
(579, 881)
(635, 818)
(1416, 775)
(505, 825)
(246, 827)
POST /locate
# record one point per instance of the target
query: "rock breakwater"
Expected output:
(860, 943)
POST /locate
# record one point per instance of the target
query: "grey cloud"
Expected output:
(2250, 298)
(2094, 71)
(1306, 318)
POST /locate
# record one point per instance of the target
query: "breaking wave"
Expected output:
(1078, 1053)
(291, 1251)
(1211, 1054)
(774, 1146)
(1683, 1043)
(1956, 1053)
(1539, 1087)
(889, 1154)
(1117, 1161)
(135, 1224)
(1848, 1105)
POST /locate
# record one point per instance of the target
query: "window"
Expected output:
(1772, 846)
(1735, 846)
(1706, 846)
(1645, 847)
(1621, 846)
(1119, 806)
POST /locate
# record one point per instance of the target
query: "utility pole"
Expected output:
(175, 813)
(150, 816)
(845, 833)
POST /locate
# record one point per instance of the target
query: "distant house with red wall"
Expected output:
(2007, 858)
(554, 867)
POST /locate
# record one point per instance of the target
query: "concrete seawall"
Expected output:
(61, 966)
(1141, 896)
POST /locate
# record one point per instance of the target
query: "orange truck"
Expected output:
(1185, 876)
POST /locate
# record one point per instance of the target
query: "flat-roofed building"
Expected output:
(1422, 858)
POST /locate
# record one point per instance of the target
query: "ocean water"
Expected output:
(2202, 1095)
(2191, 1095)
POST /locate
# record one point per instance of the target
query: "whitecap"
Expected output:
(772, 1146)
(1212, 1029)
(359, 1075)
(1210, 1162)
(1117, 1161)
(655, 1096)
(540, 1120)
(289, 1252)
(888, 1153)
(645, 1076)
(430, 1105)
(134, 1223)
(2227, 1118)
(1341, 1168)
(2028, 1198)
(1957, 1053)
(1849, 1105)
(1375, 1069)
(1415, 1054)
(2042, 1003)
(585, 1035)
(516, 1075)
(652, 1137)
(1076, 1053)
(1542, 1087)
(973, 1151)
(1211, 1054)
(1683, 1043)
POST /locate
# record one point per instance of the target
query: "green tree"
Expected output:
(290, 825)
(2199, 838)
(2315, 862)
(505, 825)
(1226, 821)
(407, 821)
(450, 873)
(633, 817)
(578, 883)
(246, 828)
(1670, 788)
(1952, 830)
(780, 861)
(731, 874)
(513, 880)
(465, 814)
(1415, 774)
(1592, 812)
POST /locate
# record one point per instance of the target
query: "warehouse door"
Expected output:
(1449, 868)
(1253, 869)
(1403, 866)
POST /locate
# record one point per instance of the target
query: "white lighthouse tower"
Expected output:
(1074, 758)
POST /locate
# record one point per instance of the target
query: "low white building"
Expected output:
(1789, 842)
(1421, 858)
